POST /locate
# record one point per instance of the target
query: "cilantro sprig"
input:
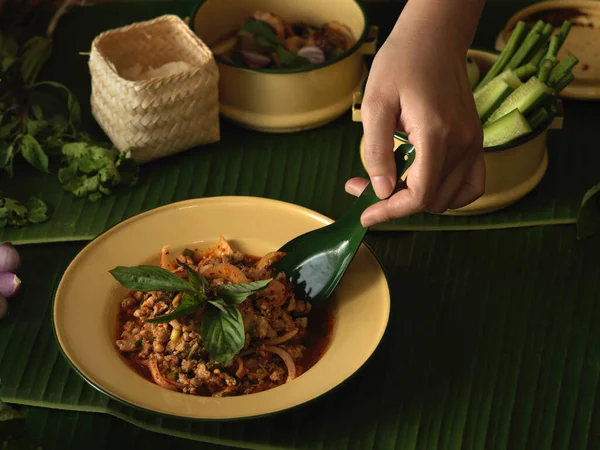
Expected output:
(222, 327)
(15, 214)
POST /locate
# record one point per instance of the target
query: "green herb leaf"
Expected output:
(6, 131)
(223, 332)
(149, 278)
(289, 59)
(262, 32)
(72, 103)
(188, 305)
(93, 170)
(219, 303)
(34, 127)
(237, 293)
(588, 218)
(6, 153)
(6, 62)
(188, 253)
(38, 211)
(266, 44)
(36, 52)
(13, 212)
(37, 112)
(128, 168)
(33, 152)
(12, 429)
(197, 281)
(8, 52)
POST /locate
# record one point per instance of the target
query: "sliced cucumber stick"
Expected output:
(524, 98)
(510, 126)
(488, 100)
(507, 77)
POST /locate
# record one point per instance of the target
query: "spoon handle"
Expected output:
(404, 157)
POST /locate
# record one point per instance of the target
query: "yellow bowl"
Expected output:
(582, 41)
(87, 302)
(280, 100)
(512, 171)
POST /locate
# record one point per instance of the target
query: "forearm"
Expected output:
(454, 21)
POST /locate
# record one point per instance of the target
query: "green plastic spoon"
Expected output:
(316, 261)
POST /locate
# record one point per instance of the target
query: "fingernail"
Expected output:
(382, 186)
(367, 220)
(350, 190)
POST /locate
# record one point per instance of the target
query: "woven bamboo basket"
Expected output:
(139, 103)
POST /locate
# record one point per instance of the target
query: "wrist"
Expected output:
(453, 22)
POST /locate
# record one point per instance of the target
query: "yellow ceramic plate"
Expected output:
(87, 301)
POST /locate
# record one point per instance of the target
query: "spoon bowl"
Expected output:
(315, 262)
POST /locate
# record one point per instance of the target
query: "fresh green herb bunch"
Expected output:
(32, 127)
(222, 327)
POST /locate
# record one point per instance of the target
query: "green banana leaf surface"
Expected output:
(308, 168)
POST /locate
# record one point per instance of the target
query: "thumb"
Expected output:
(380, 117)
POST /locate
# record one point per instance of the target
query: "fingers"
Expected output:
(401, 204)
(356, 186)
(454, 184)
(422, 184)
(379, 118)
(465, 184)
(472, 187)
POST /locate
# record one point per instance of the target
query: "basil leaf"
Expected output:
(219, 303)
(237, 293)
(6, 153)
(223, 333)
(261, 29)
(149, 278)
(188, 305)
(72, 103)
(588, 217)
(37, 210)
(33, 152)
(197, 281)
(7, 130)
(6, 62)
(37, 112)
(265, 43)
(289, 59)
(35, 126)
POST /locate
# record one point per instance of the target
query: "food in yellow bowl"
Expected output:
(519, 92)
(217, 322)
(268, 41)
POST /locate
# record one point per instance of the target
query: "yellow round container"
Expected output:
(286, 100)
(582, 41)
(512, 170)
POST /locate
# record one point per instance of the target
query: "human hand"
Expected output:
(419, 83)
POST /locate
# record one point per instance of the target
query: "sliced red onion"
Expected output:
(287, 359)
(3, 307)
(159, 379)
(254, 59)
(281, 339)
(10, 261)
(313, 53)
(9, 284)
